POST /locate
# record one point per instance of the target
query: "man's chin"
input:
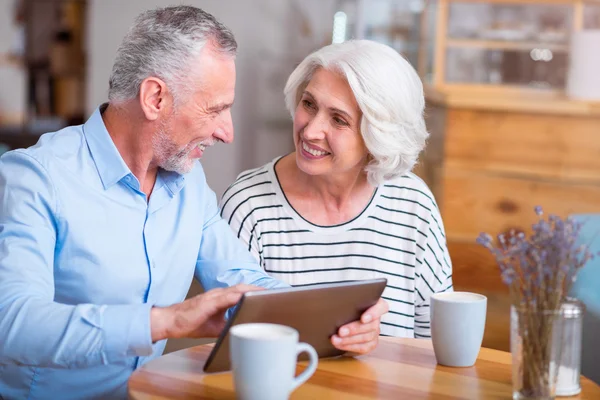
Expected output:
(188, 168)
(181, 169)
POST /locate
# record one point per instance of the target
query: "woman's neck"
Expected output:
(324, 200)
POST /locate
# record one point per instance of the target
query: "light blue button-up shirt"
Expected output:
(84, 256)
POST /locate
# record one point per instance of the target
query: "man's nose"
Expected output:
(224, 131)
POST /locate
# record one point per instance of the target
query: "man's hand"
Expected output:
(361, 337)
(200, 316)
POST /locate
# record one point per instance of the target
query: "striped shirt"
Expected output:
(399, 236)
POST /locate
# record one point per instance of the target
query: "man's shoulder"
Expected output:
(59, 144)
(55, 146)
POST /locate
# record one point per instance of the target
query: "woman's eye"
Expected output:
(340, 121)
(308, 104)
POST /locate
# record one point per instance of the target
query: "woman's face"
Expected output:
(327, 128)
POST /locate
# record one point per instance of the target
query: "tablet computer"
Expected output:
(316, 311)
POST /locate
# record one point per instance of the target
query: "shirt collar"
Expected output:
(109, 163)
(173, 181)
(108, 160)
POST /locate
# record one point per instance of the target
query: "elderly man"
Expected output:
(104, 225)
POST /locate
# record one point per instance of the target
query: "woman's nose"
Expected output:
(315, 129)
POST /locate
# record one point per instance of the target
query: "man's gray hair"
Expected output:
(388, 92)
(164, 43)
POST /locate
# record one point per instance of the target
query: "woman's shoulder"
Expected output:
(252, 174)
(250, 177)
(251, 186)
(408, 187)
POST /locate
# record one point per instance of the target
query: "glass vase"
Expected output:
(535, 342)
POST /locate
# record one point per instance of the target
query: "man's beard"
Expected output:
(170, 156)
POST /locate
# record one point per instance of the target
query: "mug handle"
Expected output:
(312, 366)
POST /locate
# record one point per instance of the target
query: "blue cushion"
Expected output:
(587, 285)
(587, 289)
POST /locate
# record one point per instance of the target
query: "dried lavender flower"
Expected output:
(541, 268)
(539, 271)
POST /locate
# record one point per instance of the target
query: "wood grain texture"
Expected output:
(475, 270)
(521, 144)
(504, 150)
(398, 368)
(507, 98)
(477, 202)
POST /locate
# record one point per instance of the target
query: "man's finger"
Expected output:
(222, 301)
(209, 294)
(241, 288)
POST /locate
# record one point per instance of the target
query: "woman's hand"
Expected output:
(361, 337)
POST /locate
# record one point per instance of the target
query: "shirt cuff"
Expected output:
(127, 330)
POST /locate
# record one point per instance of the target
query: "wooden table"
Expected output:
(398, 368)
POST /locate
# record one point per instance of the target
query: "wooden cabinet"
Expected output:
(504, 137)
(490, 161)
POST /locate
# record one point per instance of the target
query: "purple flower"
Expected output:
(508, 276)
(540, 268)
(484, 239)
(538, 210)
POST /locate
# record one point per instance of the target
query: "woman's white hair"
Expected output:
(164, 43)
(389, 93)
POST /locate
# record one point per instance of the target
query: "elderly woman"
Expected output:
(345, 206)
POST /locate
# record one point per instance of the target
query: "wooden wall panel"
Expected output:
(496, 167)
(548, 147)
(474, 202)
(474, 270)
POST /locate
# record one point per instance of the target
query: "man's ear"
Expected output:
(154, 97)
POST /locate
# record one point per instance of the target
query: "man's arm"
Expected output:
(34, 329)
(223, 259)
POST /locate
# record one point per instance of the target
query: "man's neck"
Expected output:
(129, 133)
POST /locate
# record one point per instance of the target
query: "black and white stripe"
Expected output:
(399, 236)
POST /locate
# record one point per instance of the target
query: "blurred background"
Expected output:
(512, 89)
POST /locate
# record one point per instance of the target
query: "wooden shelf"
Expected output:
(504, 45)
(511, 98)
(520, 2)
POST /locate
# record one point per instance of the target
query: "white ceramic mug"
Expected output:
(263, 359)
(457, 326)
